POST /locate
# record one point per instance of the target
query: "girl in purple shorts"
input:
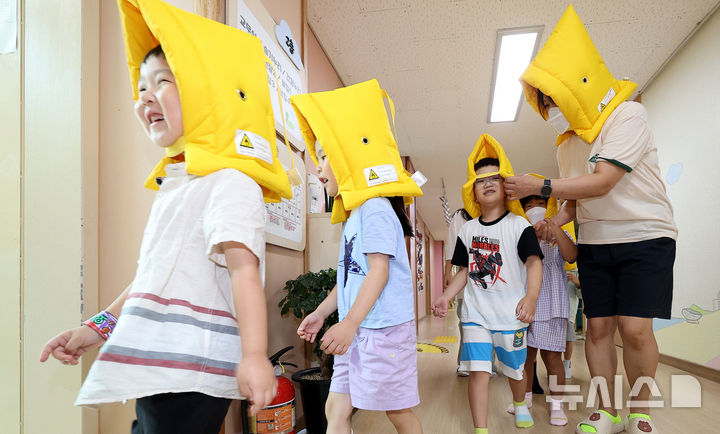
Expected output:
(374, 342)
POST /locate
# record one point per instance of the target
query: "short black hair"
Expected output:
(487, 161)
(541, 101)
(155, 52)
(527, 199)
(463, 212)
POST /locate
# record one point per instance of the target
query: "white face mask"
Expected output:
(557, 120)
(535, 214)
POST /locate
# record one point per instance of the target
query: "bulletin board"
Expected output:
(286, 220)
(252, 17)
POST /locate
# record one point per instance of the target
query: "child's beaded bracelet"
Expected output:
(103, 323)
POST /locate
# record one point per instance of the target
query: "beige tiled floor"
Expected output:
(444, 404)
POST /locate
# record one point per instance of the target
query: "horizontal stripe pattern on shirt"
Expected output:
(178, 318)
(179, 302)
(132, 356)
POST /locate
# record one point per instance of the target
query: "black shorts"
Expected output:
(630, 279)
(180, 413)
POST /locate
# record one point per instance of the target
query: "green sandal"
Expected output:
(601, 422)
(639, 423)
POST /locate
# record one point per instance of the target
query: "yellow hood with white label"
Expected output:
(487, 147)
(351, 124)
(222, 80)
(569, 69)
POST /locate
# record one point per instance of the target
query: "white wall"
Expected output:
(10, 239)
(683, 104)
(57, 148)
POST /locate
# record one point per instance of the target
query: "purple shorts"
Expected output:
(379, 370)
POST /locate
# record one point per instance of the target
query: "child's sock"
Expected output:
(528, 401)
(481, 431)
(557, 415)
(568, 372)
(522, 415)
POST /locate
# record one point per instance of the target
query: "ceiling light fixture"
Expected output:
(514, 49)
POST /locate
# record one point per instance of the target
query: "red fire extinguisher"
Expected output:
(279, 416)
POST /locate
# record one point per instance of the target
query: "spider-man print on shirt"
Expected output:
(486, 261)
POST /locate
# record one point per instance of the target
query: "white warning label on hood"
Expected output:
(382, 174)
(253, 145)
(605, 101)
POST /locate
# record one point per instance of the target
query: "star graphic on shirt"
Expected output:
(350, 265)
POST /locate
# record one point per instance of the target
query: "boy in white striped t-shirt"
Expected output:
(192, 329)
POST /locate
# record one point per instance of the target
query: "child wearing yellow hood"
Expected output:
(190, 332)
(500, 269)
(374, 343)
(609, 172)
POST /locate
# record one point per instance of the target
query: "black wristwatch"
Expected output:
(546, 189)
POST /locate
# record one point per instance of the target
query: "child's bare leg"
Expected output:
(478, 388)
(518, 389)
(568, 350)
(556, 373)
(338, 410)
(554, 365)
(405, 421)
(530, 369)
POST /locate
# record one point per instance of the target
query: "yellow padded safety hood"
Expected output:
(569, 69)
(222, 80)
(487, 147)
(351, 125)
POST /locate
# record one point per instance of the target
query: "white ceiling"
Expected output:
(435, 59)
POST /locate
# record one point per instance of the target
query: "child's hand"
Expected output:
(256, 381)
(574, 279)
(310, 326)
(544, 230)
(338, 338)
(69, 345)
(440, 307)
(525, 310)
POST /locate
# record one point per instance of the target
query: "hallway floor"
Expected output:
(444, 405)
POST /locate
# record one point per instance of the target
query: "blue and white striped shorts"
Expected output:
(510, 347)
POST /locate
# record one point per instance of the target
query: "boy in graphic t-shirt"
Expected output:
(499, 257)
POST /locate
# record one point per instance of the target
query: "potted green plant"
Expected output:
(304, 295)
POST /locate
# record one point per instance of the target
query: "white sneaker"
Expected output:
(461, 373)
(568, 369)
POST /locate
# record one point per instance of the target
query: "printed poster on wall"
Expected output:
(285, 224)
(291, 82)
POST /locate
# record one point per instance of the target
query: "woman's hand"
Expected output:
(517, 187)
